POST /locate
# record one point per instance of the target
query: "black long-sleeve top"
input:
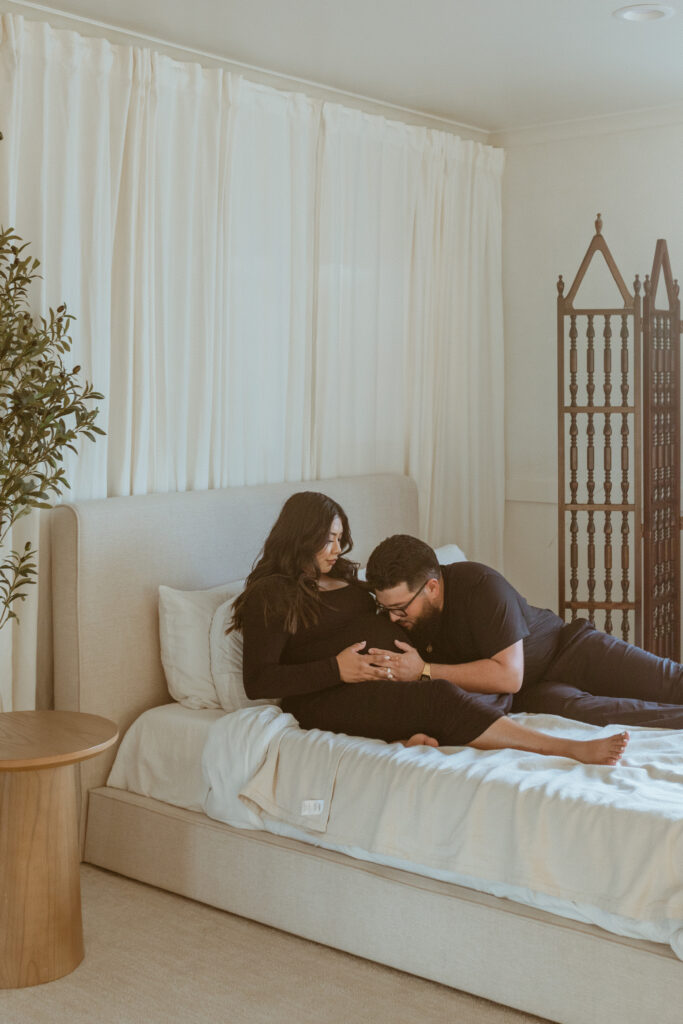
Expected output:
(282, 664)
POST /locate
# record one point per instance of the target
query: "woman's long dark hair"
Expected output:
(284, 578)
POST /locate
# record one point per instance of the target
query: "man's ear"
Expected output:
(432, 587)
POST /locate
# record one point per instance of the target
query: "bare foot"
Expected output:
(420, 739)
(603, 751)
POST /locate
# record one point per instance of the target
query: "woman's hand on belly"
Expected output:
(355, 667)
(406, 665)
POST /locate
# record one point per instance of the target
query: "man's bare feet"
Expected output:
(603, 751)
(420, 739)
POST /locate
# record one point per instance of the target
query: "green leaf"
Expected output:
(44, 408)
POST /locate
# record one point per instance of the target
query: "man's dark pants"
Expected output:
(600, 679)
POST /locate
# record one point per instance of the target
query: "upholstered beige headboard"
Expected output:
(110, 556)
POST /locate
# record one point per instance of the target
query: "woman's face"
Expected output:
(328, 555)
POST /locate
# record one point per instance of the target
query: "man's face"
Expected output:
(414, 609)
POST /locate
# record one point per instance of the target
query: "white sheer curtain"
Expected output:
(409, 340)
(211, 283)
(266, 287)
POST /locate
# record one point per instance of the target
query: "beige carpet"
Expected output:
(154, 958)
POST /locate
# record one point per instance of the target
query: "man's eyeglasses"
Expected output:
(402, 609)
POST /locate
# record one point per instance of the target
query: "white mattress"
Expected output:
(161, 757)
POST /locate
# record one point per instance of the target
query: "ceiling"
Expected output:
(495, 65)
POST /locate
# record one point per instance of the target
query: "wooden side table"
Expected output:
(41, 929)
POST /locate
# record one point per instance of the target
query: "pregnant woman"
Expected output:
(307, 623)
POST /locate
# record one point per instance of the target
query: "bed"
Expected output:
(109, 558)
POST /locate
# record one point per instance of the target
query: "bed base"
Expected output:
(108, 559)
(518, 956)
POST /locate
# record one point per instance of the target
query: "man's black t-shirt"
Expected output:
(483, 614)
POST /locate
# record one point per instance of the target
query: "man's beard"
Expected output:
(425, 629)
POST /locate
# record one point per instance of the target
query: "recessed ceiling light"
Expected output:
(644, 12)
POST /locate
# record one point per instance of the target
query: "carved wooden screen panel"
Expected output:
(661, 461)
(599, 454)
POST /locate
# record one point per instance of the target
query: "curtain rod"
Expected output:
(181, 48)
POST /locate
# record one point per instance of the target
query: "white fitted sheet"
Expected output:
(161, 755)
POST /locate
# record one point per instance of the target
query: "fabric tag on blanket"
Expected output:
(312, 806)
(303, 794)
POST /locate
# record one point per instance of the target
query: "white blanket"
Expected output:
(610, 837)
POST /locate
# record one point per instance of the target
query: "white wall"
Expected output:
(552, 192)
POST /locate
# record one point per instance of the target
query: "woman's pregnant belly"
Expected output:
(375, 630)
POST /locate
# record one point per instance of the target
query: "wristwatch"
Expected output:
(426, 671)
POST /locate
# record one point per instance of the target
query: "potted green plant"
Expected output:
(44, 408)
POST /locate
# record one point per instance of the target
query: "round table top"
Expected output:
(48, 739)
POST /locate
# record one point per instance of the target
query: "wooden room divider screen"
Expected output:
(639, 494)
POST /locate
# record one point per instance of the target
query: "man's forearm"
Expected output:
(484, 676)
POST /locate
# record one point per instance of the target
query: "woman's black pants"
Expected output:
(600, 679)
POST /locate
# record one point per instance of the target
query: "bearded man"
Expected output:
(468, 625)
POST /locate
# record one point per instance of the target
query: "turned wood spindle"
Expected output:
(590, 459)
(625, 579)
(607, 463)
(573, 464)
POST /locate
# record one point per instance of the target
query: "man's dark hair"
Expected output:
(401, 559)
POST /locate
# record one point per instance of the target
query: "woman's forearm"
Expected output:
(270, 680)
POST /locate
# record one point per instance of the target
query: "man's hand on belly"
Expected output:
(355, 667)
(406, 665)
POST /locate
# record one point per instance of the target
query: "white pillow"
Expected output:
(446, 555)
(226, 661)
(184, 625)
(450, 553)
